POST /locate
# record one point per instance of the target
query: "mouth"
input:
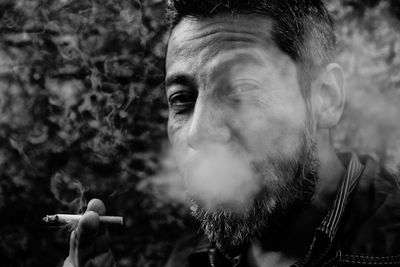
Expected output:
(219, 179)
(236, 203)
(230, 206)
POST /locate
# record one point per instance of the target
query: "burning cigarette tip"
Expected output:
(70, 218)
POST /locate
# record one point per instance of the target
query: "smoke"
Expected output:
(68, 191)
(369, 52)
(217, 177)
(235, 197)
(166, 185)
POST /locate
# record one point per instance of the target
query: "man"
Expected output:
(253, 94)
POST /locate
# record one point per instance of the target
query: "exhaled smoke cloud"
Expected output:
(369, 52)
(235, 197)
(218, 176)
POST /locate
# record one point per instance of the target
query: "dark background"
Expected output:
(83, 115)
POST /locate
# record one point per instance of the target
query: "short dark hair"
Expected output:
(303, 29)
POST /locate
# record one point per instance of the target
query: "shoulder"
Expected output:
(371, 223)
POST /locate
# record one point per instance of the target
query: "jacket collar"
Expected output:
(326, 232)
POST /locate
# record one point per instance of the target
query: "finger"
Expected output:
(98, 206)
(88, 227)
(72, 242)
(68, 263)
(85, 236)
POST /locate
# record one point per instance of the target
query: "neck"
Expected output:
(294, 237)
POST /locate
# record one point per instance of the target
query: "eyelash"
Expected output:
(181, 102)
(184, 100)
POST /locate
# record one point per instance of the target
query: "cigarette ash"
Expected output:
(50, 218)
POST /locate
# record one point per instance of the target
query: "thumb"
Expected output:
(85, 238)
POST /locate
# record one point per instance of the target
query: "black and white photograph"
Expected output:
(190, 133)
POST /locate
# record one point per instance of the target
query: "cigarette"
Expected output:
(69, 218)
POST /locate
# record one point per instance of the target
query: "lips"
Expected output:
(227, 189)
(218, 178)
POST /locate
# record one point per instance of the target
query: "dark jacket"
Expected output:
(362, 229)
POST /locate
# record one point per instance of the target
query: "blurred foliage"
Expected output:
(83, 115)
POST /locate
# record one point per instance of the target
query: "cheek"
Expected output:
(175, 129)
(279, 122)
(170, 131)
(274, 133)
(177, 138)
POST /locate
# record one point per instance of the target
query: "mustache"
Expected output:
(289, 187)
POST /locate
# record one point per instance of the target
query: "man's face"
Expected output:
(237, 123)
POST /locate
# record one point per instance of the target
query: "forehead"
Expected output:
(197, 42)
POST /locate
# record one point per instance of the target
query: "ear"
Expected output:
(329, 97)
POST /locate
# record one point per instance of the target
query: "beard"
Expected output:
(288, 186)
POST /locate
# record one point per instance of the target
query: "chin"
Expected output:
(231, 225)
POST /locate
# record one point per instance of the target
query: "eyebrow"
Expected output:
(179, 79)
(182, 78)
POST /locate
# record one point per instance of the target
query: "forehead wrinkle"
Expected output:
(195, 43)
(192, 34)
(201, 53)
(209, 46)
(227, 34)
(192, 58)
(257, 25)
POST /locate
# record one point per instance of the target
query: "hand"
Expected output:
(90, 242)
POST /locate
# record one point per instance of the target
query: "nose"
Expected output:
(209, 125)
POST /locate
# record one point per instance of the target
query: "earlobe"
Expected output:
(331, 95)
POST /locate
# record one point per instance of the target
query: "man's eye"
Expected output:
(244, 88)
(182, 102)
